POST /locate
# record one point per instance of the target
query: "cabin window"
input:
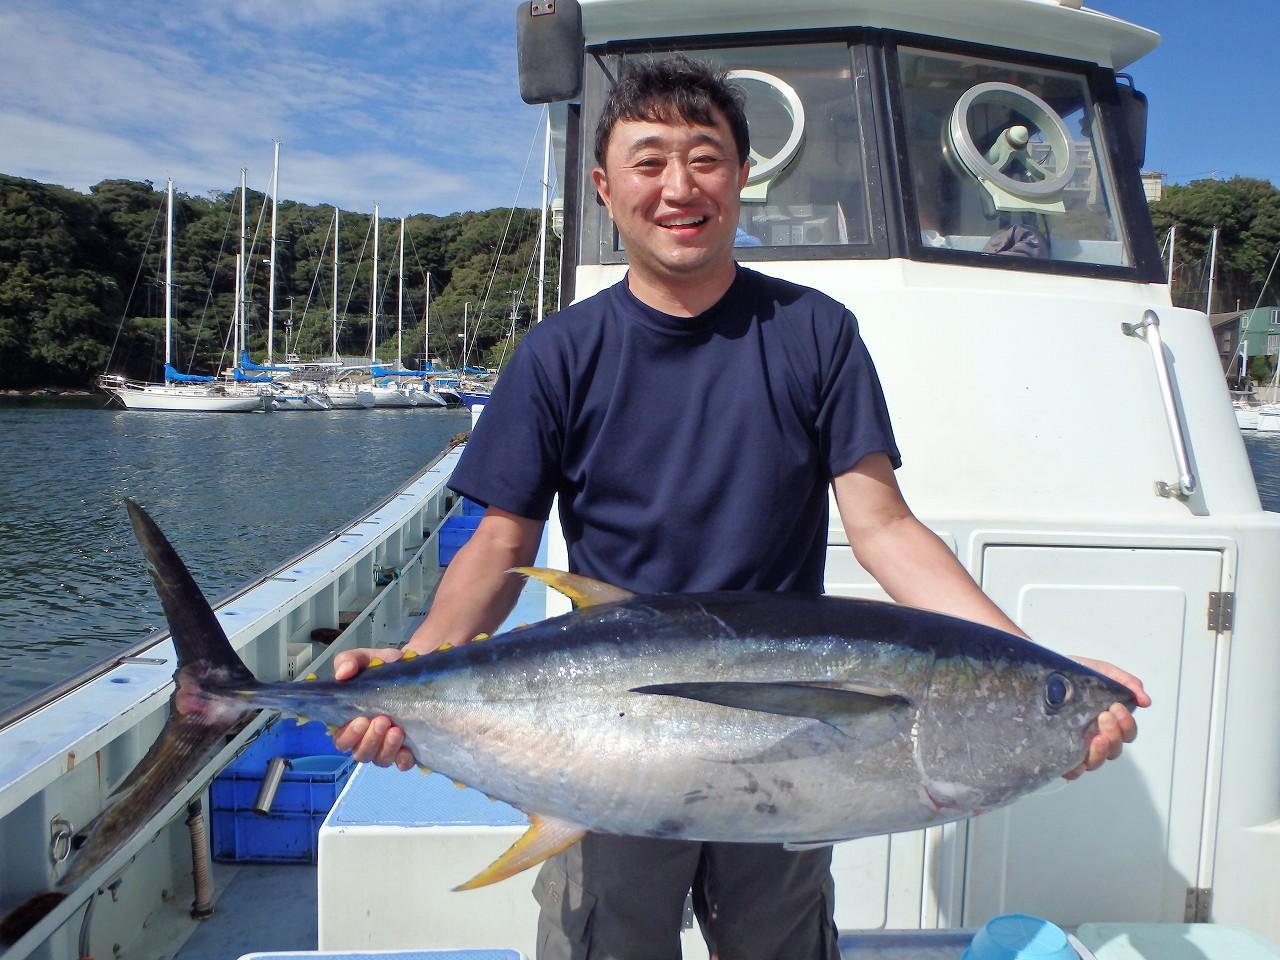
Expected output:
(1006, 159)
(808, 186)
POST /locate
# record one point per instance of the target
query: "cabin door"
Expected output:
(1087, 850)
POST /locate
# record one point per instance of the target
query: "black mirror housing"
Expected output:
(1133, 107)
(549, 50)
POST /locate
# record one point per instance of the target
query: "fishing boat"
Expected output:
(180, 392)
(1112, 515)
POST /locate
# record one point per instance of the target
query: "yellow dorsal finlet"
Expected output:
(408, 654)
(443, 647)
(545, 837)
(480, 638)
(376, 662)
(583, 591)
(310, 676)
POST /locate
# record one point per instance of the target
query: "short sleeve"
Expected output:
(512, 460)
(853, 418)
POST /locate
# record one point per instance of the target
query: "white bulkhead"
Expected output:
(964, 176)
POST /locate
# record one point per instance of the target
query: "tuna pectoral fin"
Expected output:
(856, 712)
(545, 837)
(583, 591)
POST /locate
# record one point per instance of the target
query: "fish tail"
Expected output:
(212, 690)
(204, 653)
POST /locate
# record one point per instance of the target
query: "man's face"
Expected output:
(672, 191)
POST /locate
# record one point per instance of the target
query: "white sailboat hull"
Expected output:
(183, 399)
(349, 399)
(1268, 418)
(425, 398)
(390, 397)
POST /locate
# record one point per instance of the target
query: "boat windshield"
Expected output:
(1006, 159)
(989, 156)
(807, 185)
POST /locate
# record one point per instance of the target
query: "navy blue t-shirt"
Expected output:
(689, 453)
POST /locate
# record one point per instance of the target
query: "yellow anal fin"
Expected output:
(545, 837)
(583, 591)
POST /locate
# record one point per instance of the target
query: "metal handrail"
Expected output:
(1149, 329)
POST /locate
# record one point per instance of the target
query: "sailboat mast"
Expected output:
(400, 304)
(542, 218)
(373, 297)
(1213, 262)
(335, 284)
(168, 275)
(238, 340)
(235, 316)
(1173, 240)
(271, 279)
(426, 327)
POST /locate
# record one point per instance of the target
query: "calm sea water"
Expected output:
(238, 494)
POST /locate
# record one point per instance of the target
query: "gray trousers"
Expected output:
(622, 898)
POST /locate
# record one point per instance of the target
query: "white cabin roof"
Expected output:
(1050, 27)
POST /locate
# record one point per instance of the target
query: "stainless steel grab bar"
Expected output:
(1149, 329)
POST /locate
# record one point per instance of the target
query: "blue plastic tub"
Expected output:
(310, 785)
(455, 532)
(307, 791)
(245, 837)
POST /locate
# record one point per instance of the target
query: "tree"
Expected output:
(82, 280)
(1246, 212)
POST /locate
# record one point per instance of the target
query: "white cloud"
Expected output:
(419, 112)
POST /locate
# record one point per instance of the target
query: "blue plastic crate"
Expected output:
(284, 738)
(307, 791)
(309, 785)
(472, 509)
(455, 532)
(245, 837)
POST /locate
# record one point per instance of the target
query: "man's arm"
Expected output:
(916, 568)
(475, 594)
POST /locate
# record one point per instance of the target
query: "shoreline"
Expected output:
(37, 392)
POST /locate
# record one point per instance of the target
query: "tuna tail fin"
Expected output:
(195, 629)
(207, 703)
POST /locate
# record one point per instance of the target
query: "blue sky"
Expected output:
(1213, 86)
(415, 106)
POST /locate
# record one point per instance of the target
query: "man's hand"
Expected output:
(1115, 726)
(370, 739)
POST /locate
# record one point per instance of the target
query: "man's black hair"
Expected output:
(669, 89)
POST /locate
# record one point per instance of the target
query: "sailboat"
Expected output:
(343, 394)
(285, 394)
(386, 392)
(179, 391)
(418, 389)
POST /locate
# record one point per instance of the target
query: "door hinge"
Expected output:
(1199, 905)
(1222, 608)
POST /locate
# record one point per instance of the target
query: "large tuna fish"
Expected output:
(725, 716)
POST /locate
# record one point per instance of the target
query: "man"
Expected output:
(691, 419)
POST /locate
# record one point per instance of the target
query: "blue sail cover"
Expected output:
(475, 371)
(241, 377)
(173, 376)
(377, 370)
(248, 364)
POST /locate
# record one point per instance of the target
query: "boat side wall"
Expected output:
(61, 762)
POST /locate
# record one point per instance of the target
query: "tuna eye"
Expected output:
(1057, 691)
